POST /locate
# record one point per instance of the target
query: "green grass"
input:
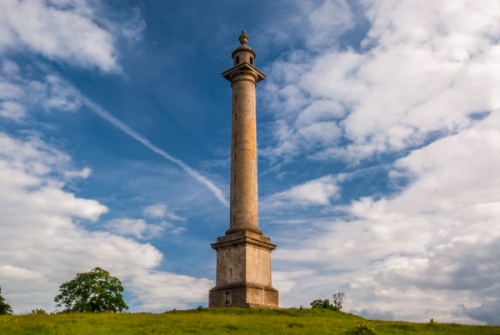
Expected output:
(223, 321)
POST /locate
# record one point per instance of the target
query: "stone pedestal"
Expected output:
(244, 272)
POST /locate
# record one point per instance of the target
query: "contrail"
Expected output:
(138, 137)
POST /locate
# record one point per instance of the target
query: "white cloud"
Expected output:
(140, 229)
(421, 73)
(425, 251)
(285, 281)
(12, 110)
(83, 173)
(314, 24)
(423, 85)
(160, 289)
(316, 192)
(319, 110)
(45, 240)
(54, 93)
(330, 20)
(320, 132)
(57, 94)
(137, 228)
(75, 32)
(15, 273)
(160, 211)
(21, 96)
(487, 312)
(45, 244)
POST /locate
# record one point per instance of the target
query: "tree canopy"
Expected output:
(338, 300)
(94, 291)
(4, 307)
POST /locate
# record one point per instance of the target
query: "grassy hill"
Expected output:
(224, 321)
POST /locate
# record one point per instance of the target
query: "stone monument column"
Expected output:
(244, 190)
(243, 253)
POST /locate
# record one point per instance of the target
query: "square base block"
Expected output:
(244, 272)
(244, 295)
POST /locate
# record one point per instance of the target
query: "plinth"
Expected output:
(244, 272)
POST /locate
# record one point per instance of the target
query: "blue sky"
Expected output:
(378, 150)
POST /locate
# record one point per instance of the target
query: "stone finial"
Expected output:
(243, 38)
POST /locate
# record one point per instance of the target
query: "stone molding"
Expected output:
(243, 237)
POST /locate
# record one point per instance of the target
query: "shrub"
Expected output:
(4, 307)
(362, 329)
(38, 311)
(231, 326)
(318, 303)
(338, 300)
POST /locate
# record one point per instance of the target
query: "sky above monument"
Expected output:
(379, 150)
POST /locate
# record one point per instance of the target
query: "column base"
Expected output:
(236, 230)
(244, 295)
(244, 276)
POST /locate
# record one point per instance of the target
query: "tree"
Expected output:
(4, 307)
(319, 303)
(94, 291)
(338, 300)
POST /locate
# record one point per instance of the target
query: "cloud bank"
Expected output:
(422, 89)
(49, 233)
(46, 239)
(70, 31)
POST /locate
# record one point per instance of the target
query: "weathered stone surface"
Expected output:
(244, 295)
(244, 277)
(244, 192)
(243, 271)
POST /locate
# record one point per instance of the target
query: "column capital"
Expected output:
(243, 69)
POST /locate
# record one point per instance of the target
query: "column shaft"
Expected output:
(244, 184)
